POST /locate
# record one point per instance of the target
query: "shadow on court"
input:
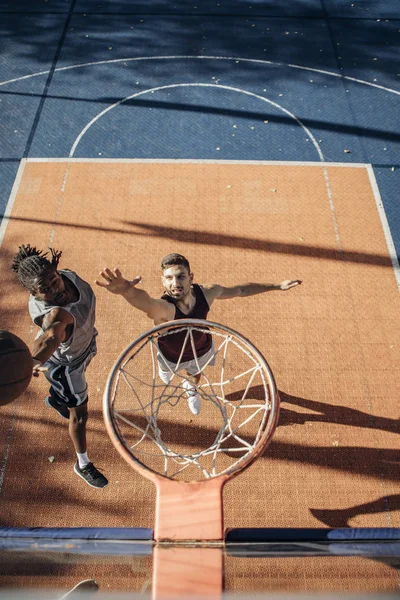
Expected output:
(38, 466)
(341, 517)
(206, 238)
(312, 124)
(38, 40)
(211, 239)
(328, 413)
(364, 461)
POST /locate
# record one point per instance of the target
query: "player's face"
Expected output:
(177, 281)
(50, 287)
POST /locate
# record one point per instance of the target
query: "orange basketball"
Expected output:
(15, 367)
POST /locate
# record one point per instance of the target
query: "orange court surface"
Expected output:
(332, 343)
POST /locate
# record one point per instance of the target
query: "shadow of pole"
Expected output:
(230, 241)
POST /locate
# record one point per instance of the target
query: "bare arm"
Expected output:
(114, 282)
(219, 292)
(54, 326)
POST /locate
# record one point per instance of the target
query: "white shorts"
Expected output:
(166, 369)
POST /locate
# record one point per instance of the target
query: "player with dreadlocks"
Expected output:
(63, 306)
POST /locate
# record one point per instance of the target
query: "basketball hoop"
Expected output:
(190, 459)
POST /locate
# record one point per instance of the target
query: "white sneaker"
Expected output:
(192, 396)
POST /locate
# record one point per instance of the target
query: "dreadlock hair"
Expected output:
(174, 259)
(30, 263)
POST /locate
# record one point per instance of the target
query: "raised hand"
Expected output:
(287, 284)
(114, 281)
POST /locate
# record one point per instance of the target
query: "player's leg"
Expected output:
(193, 398)
(194, 370)
(69, 396)
(166, 369)
(55, 399)
(77, 427)
(78, 410)
(77, 431)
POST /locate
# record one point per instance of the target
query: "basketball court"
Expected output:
(287, 204)
(336, 427)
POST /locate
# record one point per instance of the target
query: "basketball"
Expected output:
(15, 367)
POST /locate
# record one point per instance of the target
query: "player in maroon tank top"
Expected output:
(182, 299)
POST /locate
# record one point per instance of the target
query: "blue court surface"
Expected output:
(306, 81)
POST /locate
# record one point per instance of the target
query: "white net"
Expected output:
(152, 416)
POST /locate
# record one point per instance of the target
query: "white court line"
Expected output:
(229, 58)
(59, 203)
(10, 203)
(333, 210)
(188, 57)
(285, 163)
(374, 185)
(385, 224)
(203, 85)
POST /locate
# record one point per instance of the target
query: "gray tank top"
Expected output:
(83, 311)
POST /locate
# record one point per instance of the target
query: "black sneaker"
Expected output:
(60, 408)
(91, 475)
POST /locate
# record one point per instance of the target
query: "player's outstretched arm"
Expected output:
(114, 282)
(220, 292)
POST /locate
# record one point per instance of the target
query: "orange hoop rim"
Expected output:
(131, 459)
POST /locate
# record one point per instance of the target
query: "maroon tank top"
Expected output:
(171, 345)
